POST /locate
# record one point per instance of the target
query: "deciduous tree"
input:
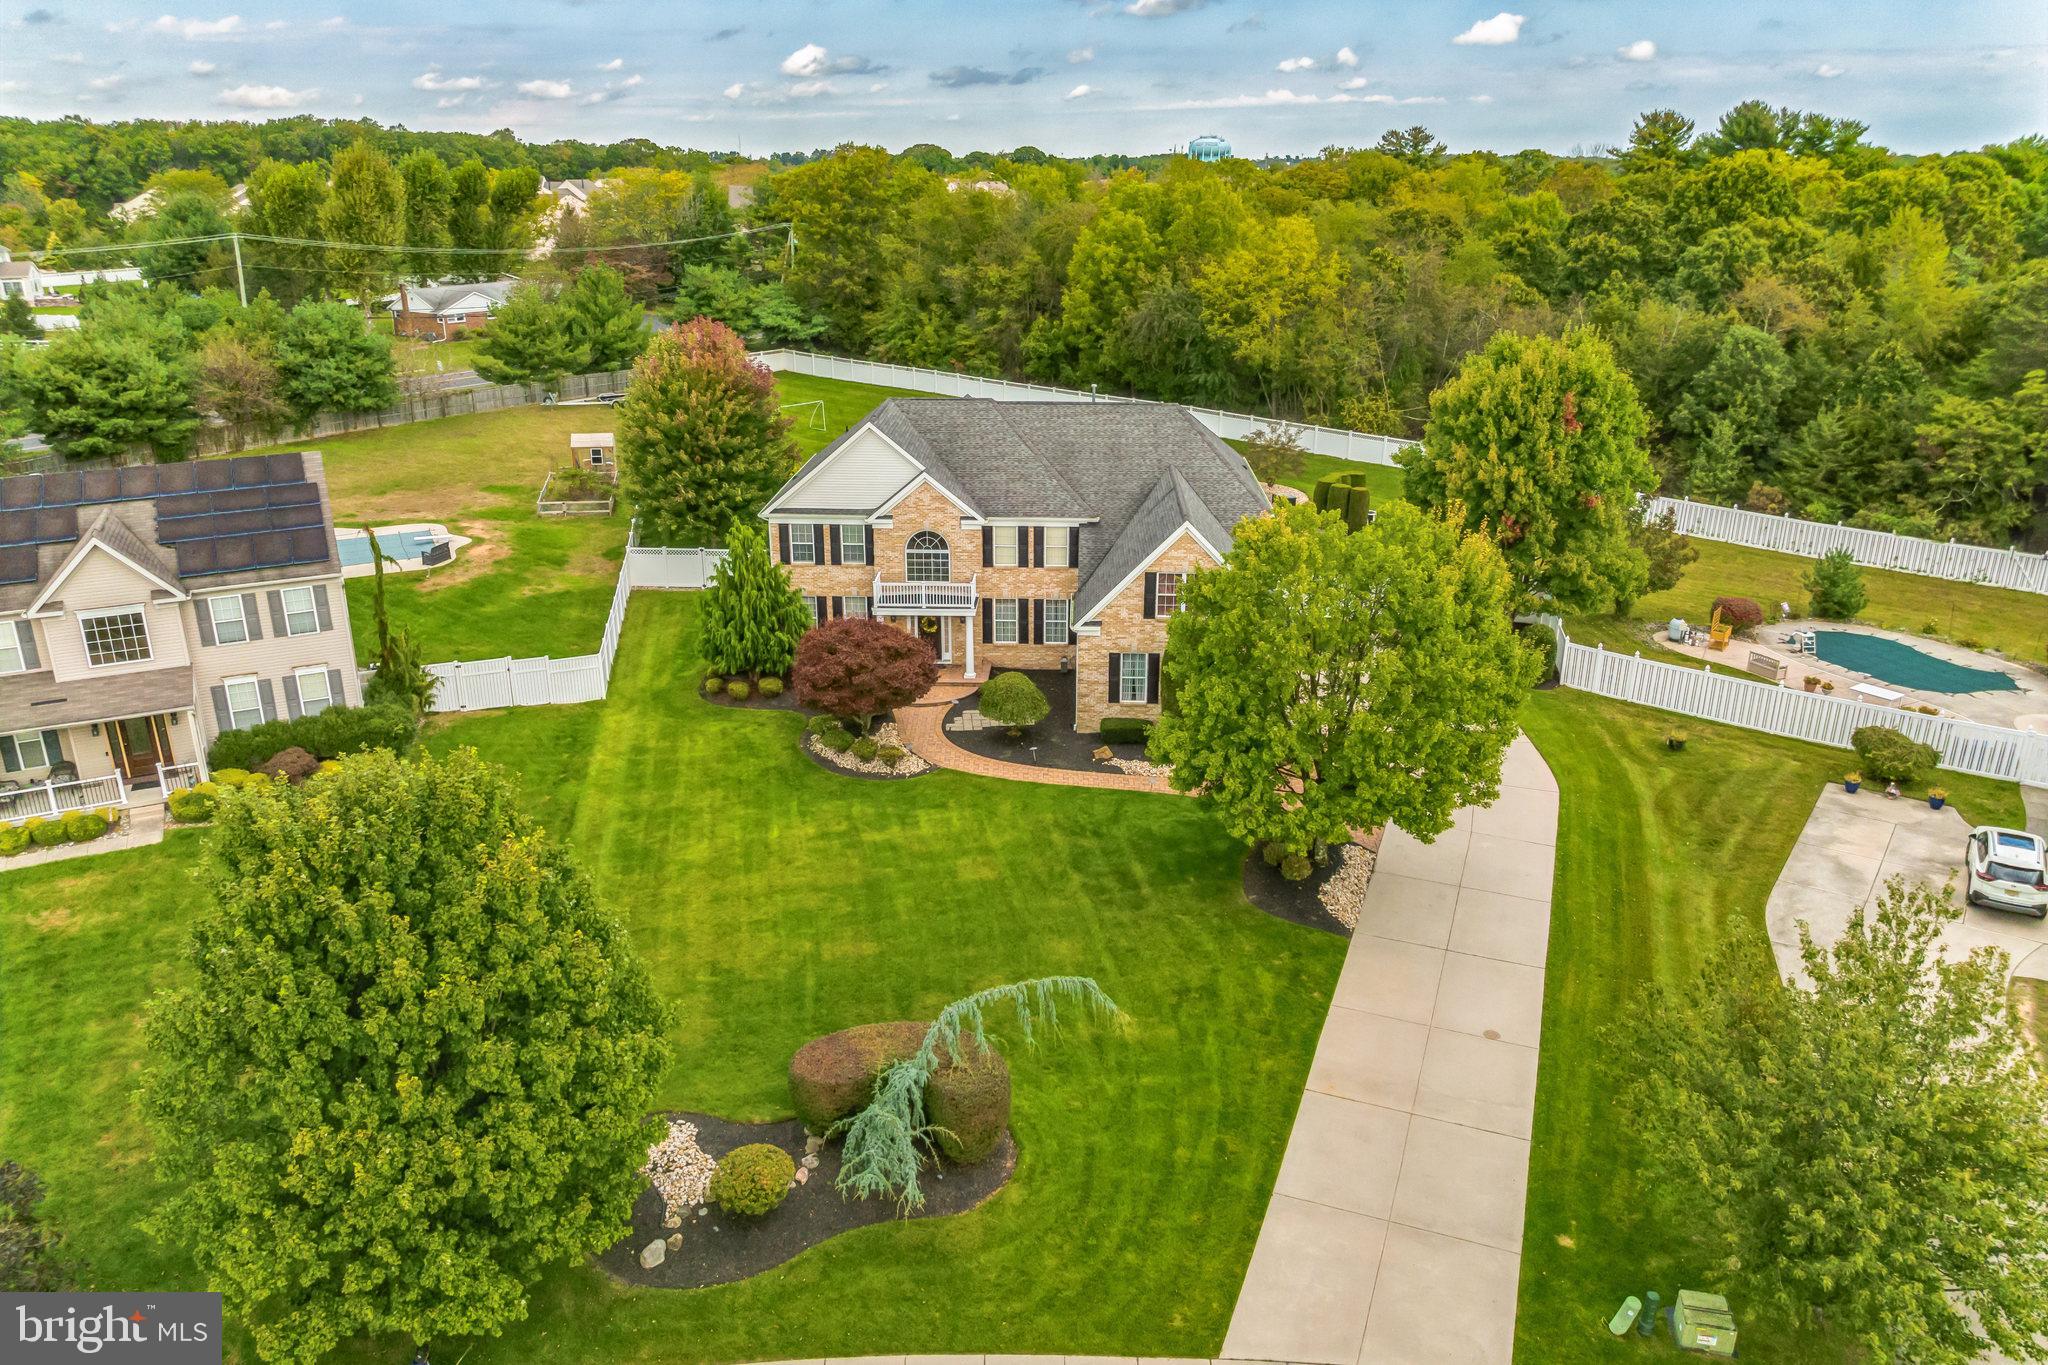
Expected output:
(332, 363)
(702, 442)
(1328, 680)
(858, 668)
(239, 385)
(412, 1067)
(365, 208)
(1867, 1144)
(107, 390)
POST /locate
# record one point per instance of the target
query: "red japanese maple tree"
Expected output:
(857, 668)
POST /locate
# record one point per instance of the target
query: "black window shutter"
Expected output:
(988, 620)
(269, 698)
(1116, 672)
(838, 608)
(988, 547)
(321, 611)
(221, 721)
(1037, 621)
(1152, 677)
(818, 544)
(1073, 547)
(10, 758)
(291, 697)
(832, 544)
(782, 539)
(53, 743)
(202, 612)
(868, 547)
(26, 633)
(1151, 595)
(252, 618)
(1038, 547)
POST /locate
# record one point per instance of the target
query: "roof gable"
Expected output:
(862, 472)
(1170, 509)
(111, 539)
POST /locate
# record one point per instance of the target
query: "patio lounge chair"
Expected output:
(63, 772)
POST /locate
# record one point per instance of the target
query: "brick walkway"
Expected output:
(923, 725)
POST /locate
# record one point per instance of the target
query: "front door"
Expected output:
(140, 744)
(937, 631)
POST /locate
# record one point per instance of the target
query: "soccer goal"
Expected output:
(809, 415)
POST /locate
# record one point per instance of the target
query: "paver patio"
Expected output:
(1395, 1228)
(923, 726)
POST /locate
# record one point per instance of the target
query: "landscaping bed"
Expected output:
(719, 1248)
(1052, 743)
(850, 763)
(785, 700)
(1328, 898)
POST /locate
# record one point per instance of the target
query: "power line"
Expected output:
(523, 251)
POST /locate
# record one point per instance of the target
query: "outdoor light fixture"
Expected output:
(95, 729)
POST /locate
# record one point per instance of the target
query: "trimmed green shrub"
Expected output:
(838, 740)
(818, 725)
(834, 1076)
(771, 687)
(1126, 730)
(752, 1180)
(1271, 853)
(332, 733)
(244, 749)
(83, 826)
(865, 749)
(738, 689)
(194, 805)
(891, 754)
(47, 833)
(1740, 612)
(13, 840)
(1888, 755)
(1346, 494)
(1013, 700)
(236, 777)
(1543, 640)
(1295, 867)
(713, 684)
(1834, 586)
(968, 1102)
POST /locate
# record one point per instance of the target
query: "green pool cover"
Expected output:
(1904, 665)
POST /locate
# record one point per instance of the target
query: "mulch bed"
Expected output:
(719, 1248)
(809, 744)
(755, 701)
(1296, 902)
(1052, 743)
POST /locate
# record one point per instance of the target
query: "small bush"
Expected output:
(713, 684)
(242, 750)
(236, 777)
(83, 826)
(1126, 730)
(838, 740)
(771, 687)
(294, 765)
(13, 839)
(1543, 640)
(47, 833)
(1889, 755)
(1740, 612)
(891, 754)
(1013, 700)
(752, 1180)
(337, 731)
(1271, 853)
(969, 1102)
(1834, 586)
(1295, 867)
(194, 805)
(738, 689)
(818, 725)
(865, 749)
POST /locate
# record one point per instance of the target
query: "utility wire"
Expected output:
(524, 251)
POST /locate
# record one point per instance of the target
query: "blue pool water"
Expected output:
(397, 544)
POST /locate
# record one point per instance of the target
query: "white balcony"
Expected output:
(924, 599)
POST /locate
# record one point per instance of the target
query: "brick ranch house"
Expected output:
(440, 311)
(145, 610)
(1018, 535)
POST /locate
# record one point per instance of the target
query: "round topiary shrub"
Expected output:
(194, 805)
(838, 740)
(865, 749)
(713, 684)
(1271, 853)
(236, 777)
(47, 833)
(891, 754)
(13, 840)
(771, 687)
(1012, 700)
(294, 765)
(1295, 867)
(752, 1180)
(1888, 755)
(818, 725)
(969, 1102)
(832, 1076)
(738, 689)
(82, 826)
(1740, 612)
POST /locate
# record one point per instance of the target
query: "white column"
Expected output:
(967, 622)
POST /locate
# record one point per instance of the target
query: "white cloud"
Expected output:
(807, 60)
(1641, 50)
(1827, 71)
(201, 69)
(735, 90)
(451, 101)
(1294, 64)
(635, 79)
(70, 58)
(615, 64)
(547, 90)
(1346, 57)
(336, 22)
(264, 97)
(1501, 28)
(804, 90)
(1080, 55)
(198, 28)
(275, 24)
(878, 87)
(1355, 83)
(11, 87)
(432, 79)
(1160, 9)
(101, 84)
(1080, 92)
(1480, 99)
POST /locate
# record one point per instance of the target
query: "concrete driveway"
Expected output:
(1853, 845)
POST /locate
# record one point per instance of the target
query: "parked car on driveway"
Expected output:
(2008, 870)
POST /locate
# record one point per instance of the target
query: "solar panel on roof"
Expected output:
(18, 564)
(132, 483)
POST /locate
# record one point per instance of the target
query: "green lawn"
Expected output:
(1662, 858)
(773, 902)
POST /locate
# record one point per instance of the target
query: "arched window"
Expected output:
(926, 558)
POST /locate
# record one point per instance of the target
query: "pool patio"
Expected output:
(408, 548)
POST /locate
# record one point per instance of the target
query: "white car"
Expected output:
(2008, 870)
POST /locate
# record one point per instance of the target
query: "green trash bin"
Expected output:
(1702, 1324)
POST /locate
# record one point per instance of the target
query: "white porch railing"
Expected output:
(932, 597)
(47, 799)
(176, 777)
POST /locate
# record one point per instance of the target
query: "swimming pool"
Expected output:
(1904, 665)
(397, 544)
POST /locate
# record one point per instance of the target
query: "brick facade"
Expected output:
(1126, 630)
(423, 324)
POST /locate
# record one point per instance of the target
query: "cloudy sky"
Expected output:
(1072, 76)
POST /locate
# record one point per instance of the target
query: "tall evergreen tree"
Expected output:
(528, 341)
(753, 616)
(330, 363)
(429, 200)
(108, 390)
(604, 324)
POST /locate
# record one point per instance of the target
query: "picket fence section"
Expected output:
(484, 684)
(1964, 746)
(1346, 445)
(1876, 549)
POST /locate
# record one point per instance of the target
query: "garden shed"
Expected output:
(594, 450)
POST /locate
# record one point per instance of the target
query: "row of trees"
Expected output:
(1814, 324)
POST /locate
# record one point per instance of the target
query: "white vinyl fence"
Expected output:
(483, 684)
(1234, 426)
(1964, 746)
(1877, 549)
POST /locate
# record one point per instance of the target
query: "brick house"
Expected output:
(440, 311)
(145, 610)
(1018, 535)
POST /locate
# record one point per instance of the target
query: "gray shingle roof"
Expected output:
(1170, 505)
(1103, 461)
(433, 298)
(32, 701)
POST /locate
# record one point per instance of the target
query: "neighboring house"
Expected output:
(570, 196)
(1018, 535)
(441, 311)
(19, 279)
(144, 610)
(997, 187)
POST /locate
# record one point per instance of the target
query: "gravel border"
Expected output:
(1303, 902)
(910, 765)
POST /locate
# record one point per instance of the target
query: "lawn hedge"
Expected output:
(334, 732)
(833, 1077)
(969, 1102)
(1126, 730)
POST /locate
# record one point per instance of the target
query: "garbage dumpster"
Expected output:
(1702, 1323)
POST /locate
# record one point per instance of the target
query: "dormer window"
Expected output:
(119, 635)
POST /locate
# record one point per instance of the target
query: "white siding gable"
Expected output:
(861, 475)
